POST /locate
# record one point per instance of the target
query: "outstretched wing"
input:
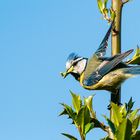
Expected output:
(101, 51)
(94, 61)
(104, 68)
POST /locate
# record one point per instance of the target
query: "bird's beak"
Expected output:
(64, 74)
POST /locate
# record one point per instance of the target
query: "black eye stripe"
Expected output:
(74, 63)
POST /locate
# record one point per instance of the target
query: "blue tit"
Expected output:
(99, 72)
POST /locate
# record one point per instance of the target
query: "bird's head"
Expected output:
(74, 65)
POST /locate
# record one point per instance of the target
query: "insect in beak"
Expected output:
(64, 74)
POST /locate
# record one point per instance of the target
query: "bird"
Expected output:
(100, 72)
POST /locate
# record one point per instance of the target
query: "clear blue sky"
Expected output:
(35, 38)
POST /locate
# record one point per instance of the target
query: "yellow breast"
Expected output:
(97, 86)
(81, 83)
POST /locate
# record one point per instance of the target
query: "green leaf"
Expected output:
(133, 114)
(68, 111)
(100, 5)
(136, 57)
(136, 136)
(69, 136)
(124, 130)
(116, 114)
(88, 127)
(83, 118)
(105, 11)
(135, 123)
(64, 112)
(123, 110)
(112, 14)
(111, 125)
(88, 103)
(76, 102)
(130, 105)
(105, 2)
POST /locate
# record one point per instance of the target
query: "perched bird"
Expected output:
(99, 72)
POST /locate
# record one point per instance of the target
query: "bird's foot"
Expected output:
(109, 106)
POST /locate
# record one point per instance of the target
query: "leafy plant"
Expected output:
(123, 125)
(82, 115)
(108, 13)
(124, 121)
(136, 57)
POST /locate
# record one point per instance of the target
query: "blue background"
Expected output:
(36, 37)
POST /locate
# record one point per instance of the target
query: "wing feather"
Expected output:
(101, 51)
(104, 68)
(94, 61)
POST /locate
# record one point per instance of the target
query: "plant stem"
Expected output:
(116, 45)
(116, 41)
(82, 137)
(81, 134)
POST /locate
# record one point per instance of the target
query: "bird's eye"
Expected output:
(75, 63)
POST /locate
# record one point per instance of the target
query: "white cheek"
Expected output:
(80, 66)
(68, 64)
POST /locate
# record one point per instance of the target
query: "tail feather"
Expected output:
(134, 70)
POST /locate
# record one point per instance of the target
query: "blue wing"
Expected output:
(104, 68)
(95, 60)
(101, 51)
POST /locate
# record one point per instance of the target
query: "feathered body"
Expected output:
(113, 80)
(99, 72)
